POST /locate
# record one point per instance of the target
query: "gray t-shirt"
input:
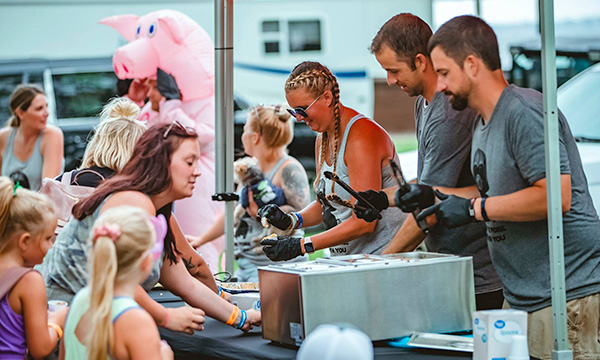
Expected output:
(507, 156)
(444, 145)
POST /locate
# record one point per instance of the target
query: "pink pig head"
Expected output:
(169, 40)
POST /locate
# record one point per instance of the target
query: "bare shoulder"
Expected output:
(366, 134)
(137, 333)
(52, 136)
(31, 283)
(131, 198)
(292, 164)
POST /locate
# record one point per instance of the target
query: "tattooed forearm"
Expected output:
(295, 186)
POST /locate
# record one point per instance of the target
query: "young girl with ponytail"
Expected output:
(27, 223)
(349, 145)
(104, 320)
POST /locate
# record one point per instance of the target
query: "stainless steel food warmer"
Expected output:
(385, 296)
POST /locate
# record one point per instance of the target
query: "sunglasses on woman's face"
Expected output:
(301, 110)
(188, 130)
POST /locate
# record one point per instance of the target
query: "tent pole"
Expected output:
(553, 190)
(224, 116)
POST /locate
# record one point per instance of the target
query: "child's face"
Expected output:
(41, 243)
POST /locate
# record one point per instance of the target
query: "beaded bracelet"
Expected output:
(300, 221)
(242, 320)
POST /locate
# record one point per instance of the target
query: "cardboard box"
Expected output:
(246, 301)
(493, 331)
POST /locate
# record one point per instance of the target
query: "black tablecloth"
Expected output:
(220, 341)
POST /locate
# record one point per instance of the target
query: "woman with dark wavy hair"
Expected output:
(163, 168)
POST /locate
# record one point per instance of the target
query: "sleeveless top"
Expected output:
(334, 214)
(249, 232)
(81, 303)
(65, 267)
(32, 167)
(13, 342)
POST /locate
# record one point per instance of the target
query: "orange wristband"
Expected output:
(59, 331)
(233, 316)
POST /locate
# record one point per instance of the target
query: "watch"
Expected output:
(308, 246)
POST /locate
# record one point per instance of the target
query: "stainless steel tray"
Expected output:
(441, 342)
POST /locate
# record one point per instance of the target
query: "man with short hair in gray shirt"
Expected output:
(444, 145)
(508, 162)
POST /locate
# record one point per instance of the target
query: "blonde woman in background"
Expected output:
(104, 320)
(31, 149)
(267, 133)
(112, 144)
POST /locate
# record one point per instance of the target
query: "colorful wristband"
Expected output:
(483, 212)
(233, 316)
(59, 331)
(300, 221)
(242, 320)
(221, 293)
(164, 324)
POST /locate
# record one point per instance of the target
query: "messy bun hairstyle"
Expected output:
(273, 124)
(112, 144)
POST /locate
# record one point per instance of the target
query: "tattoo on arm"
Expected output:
(189, 264)
(295, 186)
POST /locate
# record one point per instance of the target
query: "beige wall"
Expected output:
(394, 109)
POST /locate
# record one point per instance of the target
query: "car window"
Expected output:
(82, 94)
(7, 85)
(579, 100)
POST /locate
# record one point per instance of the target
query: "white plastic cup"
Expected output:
(55, 305)
(518, 348)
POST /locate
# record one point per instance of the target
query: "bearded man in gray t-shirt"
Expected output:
(508, 163)
(444, 145)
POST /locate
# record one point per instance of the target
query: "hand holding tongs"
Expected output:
(403, 188)
(333, 177)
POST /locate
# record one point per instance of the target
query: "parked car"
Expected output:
(78, 88)
(579, 100)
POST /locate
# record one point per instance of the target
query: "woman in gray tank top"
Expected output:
(31, 149)
(267, 133)
(349, 145)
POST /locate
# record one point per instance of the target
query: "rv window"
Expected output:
(83, 94)
(305, 35)
(271, 47)
(7, 85)
(270, 26)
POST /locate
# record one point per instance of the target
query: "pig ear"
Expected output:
(126, 25)
(174, 29)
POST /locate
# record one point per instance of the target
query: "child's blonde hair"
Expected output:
(21, 210)
(115, 257)
(112, 144)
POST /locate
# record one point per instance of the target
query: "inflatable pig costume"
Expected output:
(173, 42)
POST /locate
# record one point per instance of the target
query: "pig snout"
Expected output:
(137, 59)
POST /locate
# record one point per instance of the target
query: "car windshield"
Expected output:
(579, 100)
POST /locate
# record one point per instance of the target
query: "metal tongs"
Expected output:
(403, 187)
(333, 177)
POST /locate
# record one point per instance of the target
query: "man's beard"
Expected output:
(459, 102)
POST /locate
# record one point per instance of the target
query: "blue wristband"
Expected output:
(483, 212)
(300, 220)
(242, 320)
(220, 291)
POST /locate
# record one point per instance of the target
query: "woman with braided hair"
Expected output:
(349, 145)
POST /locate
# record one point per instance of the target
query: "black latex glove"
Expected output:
(378, 199)
(417, 197)
(282, 248)
(275, 216)
(167, 86)
(452, 212)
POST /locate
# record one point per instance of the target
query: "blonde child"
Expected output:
(104, 321)
(27, 223)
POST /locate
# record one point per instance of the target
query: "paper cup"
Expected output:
(518, 348)
(55, 305)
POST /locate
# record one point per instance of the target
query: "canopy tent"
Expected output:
(224, 153)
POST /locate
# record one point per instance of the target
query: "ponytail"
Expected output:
(104, 270)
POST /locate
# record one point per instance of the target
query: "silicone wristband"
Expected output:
(483, 212)
(164, 324)
(59, 331)
(233, 316)
(242, 320)
(221, 293)
(300, 221)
